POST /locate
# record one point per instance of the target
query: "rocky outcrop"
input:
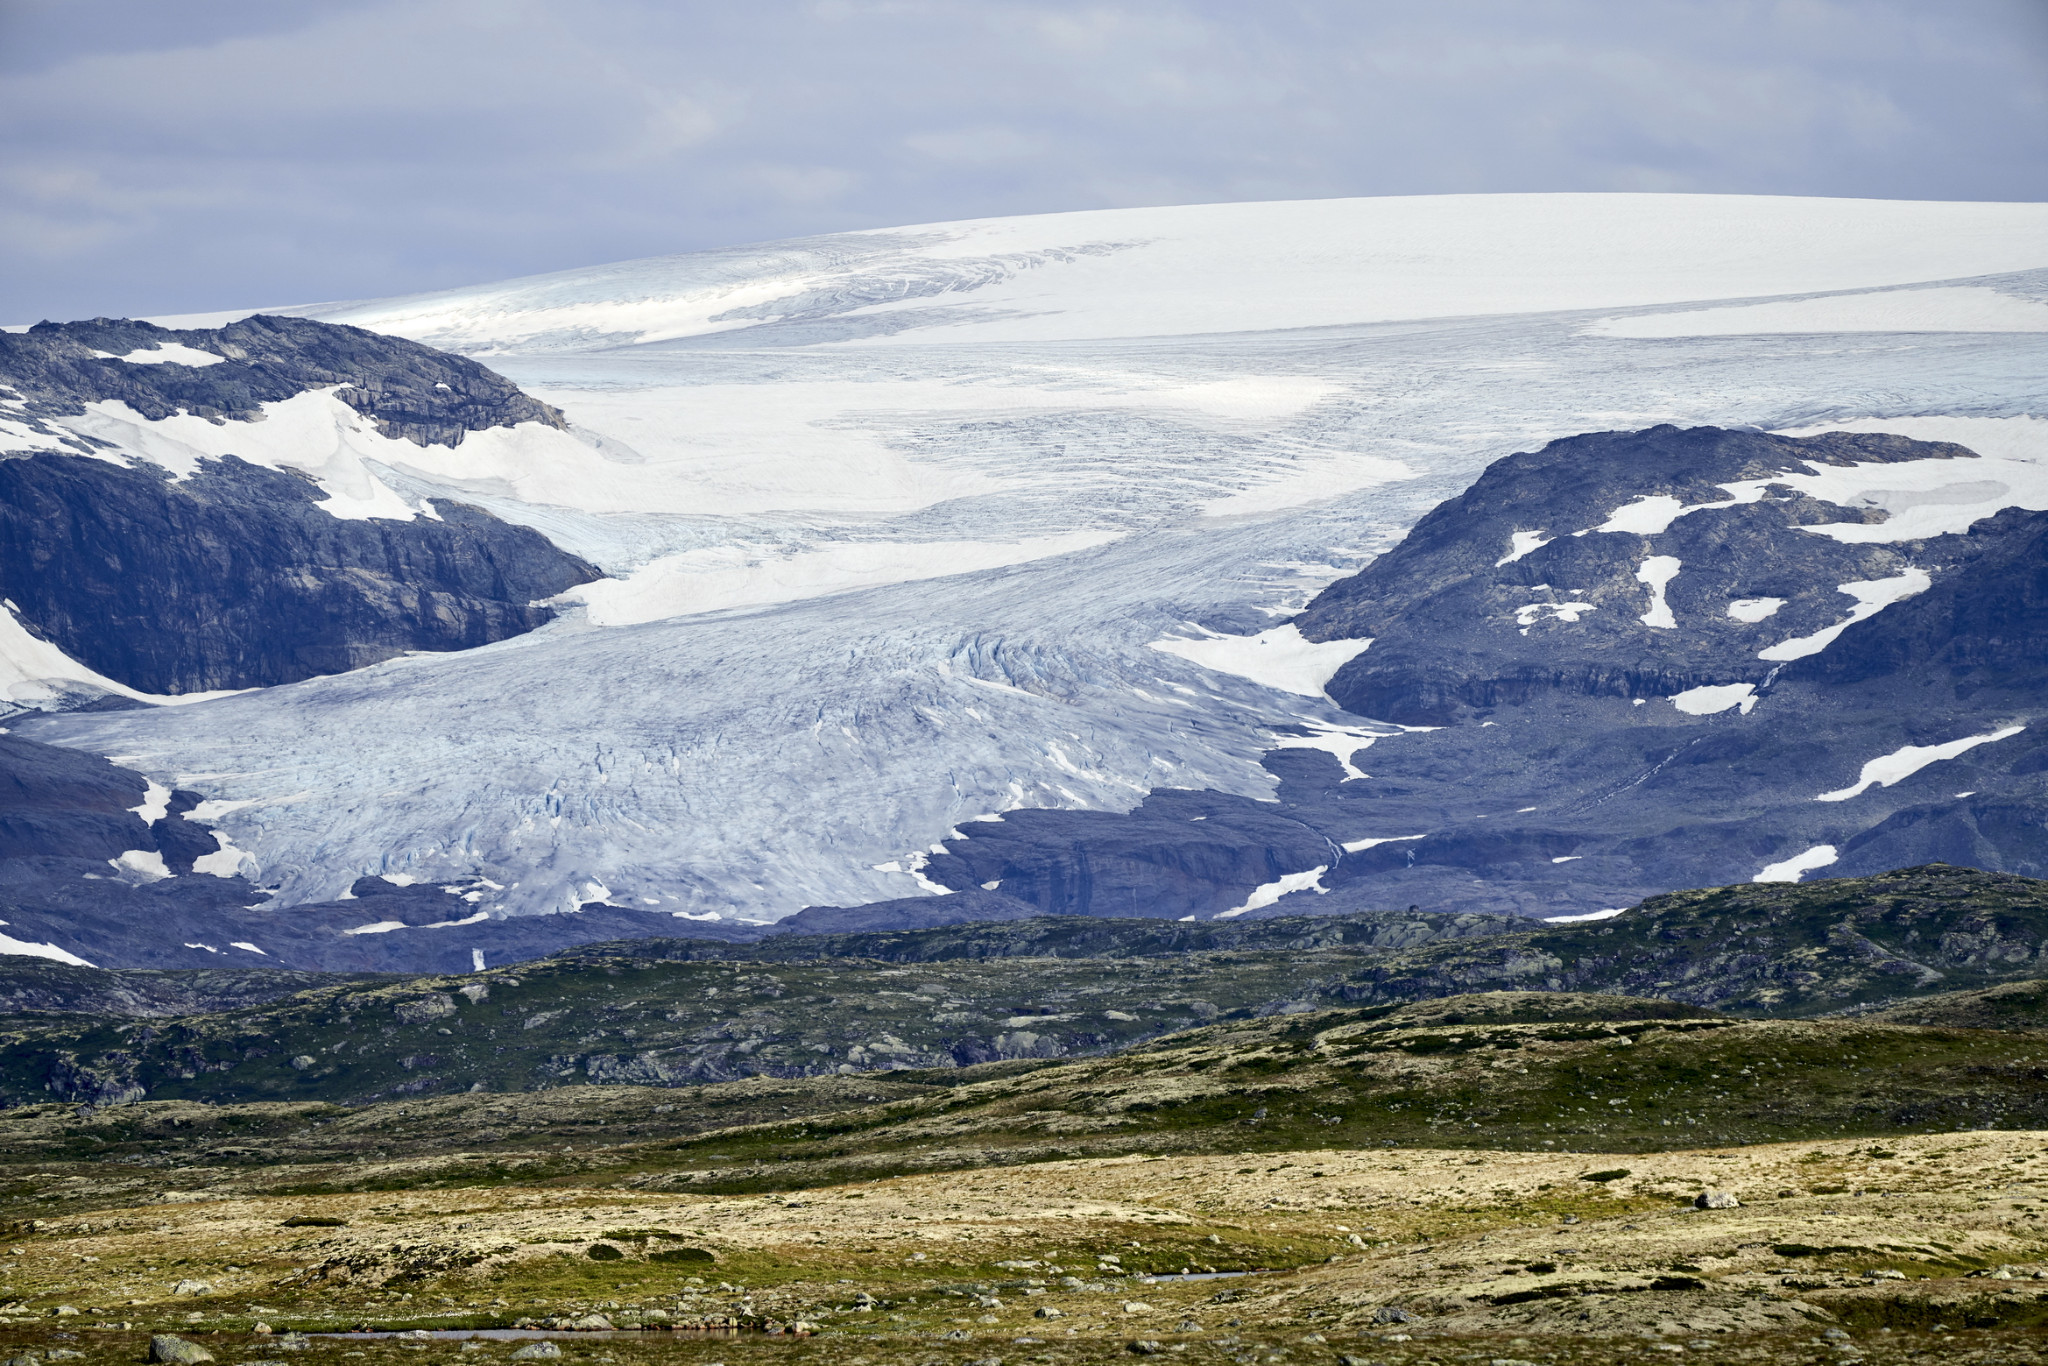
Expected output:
(1538, 578)
(1830, 946)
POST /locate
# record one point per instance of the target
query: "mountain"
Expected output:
(214, 538)
(847, 572)
(1628, 661)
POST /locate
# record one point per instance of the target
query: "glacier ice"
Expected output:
(1190, 420)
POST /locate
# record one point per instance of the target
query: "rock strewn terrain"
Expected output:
(1400, 1252)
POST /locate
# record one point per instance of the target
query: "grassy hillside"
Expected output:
(1523, 1071)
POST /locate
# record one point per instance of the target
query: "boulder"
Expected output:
(1715, 1200)
(165, 1347)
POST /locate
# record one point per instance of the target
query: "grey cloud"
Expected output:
(239, 154)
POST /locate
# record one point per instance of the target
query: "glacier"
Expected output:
(899, 521)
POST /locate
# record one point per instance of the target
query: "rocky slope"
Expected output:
(1544, 574)
(231, 574)
(409, 390)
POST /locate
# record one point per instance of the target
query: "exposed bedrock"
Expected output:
(1983, 623)
(235, 578)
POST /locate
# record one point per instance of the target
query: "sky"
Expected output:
(159, 158)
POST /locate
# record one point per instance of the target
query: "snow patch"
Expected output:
(1358, 846)
(1658, 571)
(1902, 763)
(1268, 893)
(147, 862)
(1340, 742)
(34, 672)
(1580, 919)
(1279, 658)
(379, 927)
(245, 944)
(1652, 514)
(224, 861)
(1521, 543)
(1753, 610)
(1529, 613)
(156, 803)
(1872, 596)
(1798, 866)
(21, 948)
(314, 433)
(1715, 698)
(1648, 515)
(173, 353)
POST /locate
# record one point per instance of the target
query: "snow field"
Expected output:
(1221, 268)
(173, 353)
(1279, 658)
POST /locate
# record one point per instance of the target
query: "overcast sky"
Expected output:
(159, 157)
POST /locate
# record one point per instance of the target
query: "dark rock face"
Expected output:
(236, 577)
(55, 799)
(1179, 853)
(412, 391)
(1983, 624)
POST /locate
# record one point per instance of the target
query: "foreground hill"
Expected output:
(684, 1012)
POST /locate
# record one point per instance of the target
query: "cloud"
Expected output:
(263, 153)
